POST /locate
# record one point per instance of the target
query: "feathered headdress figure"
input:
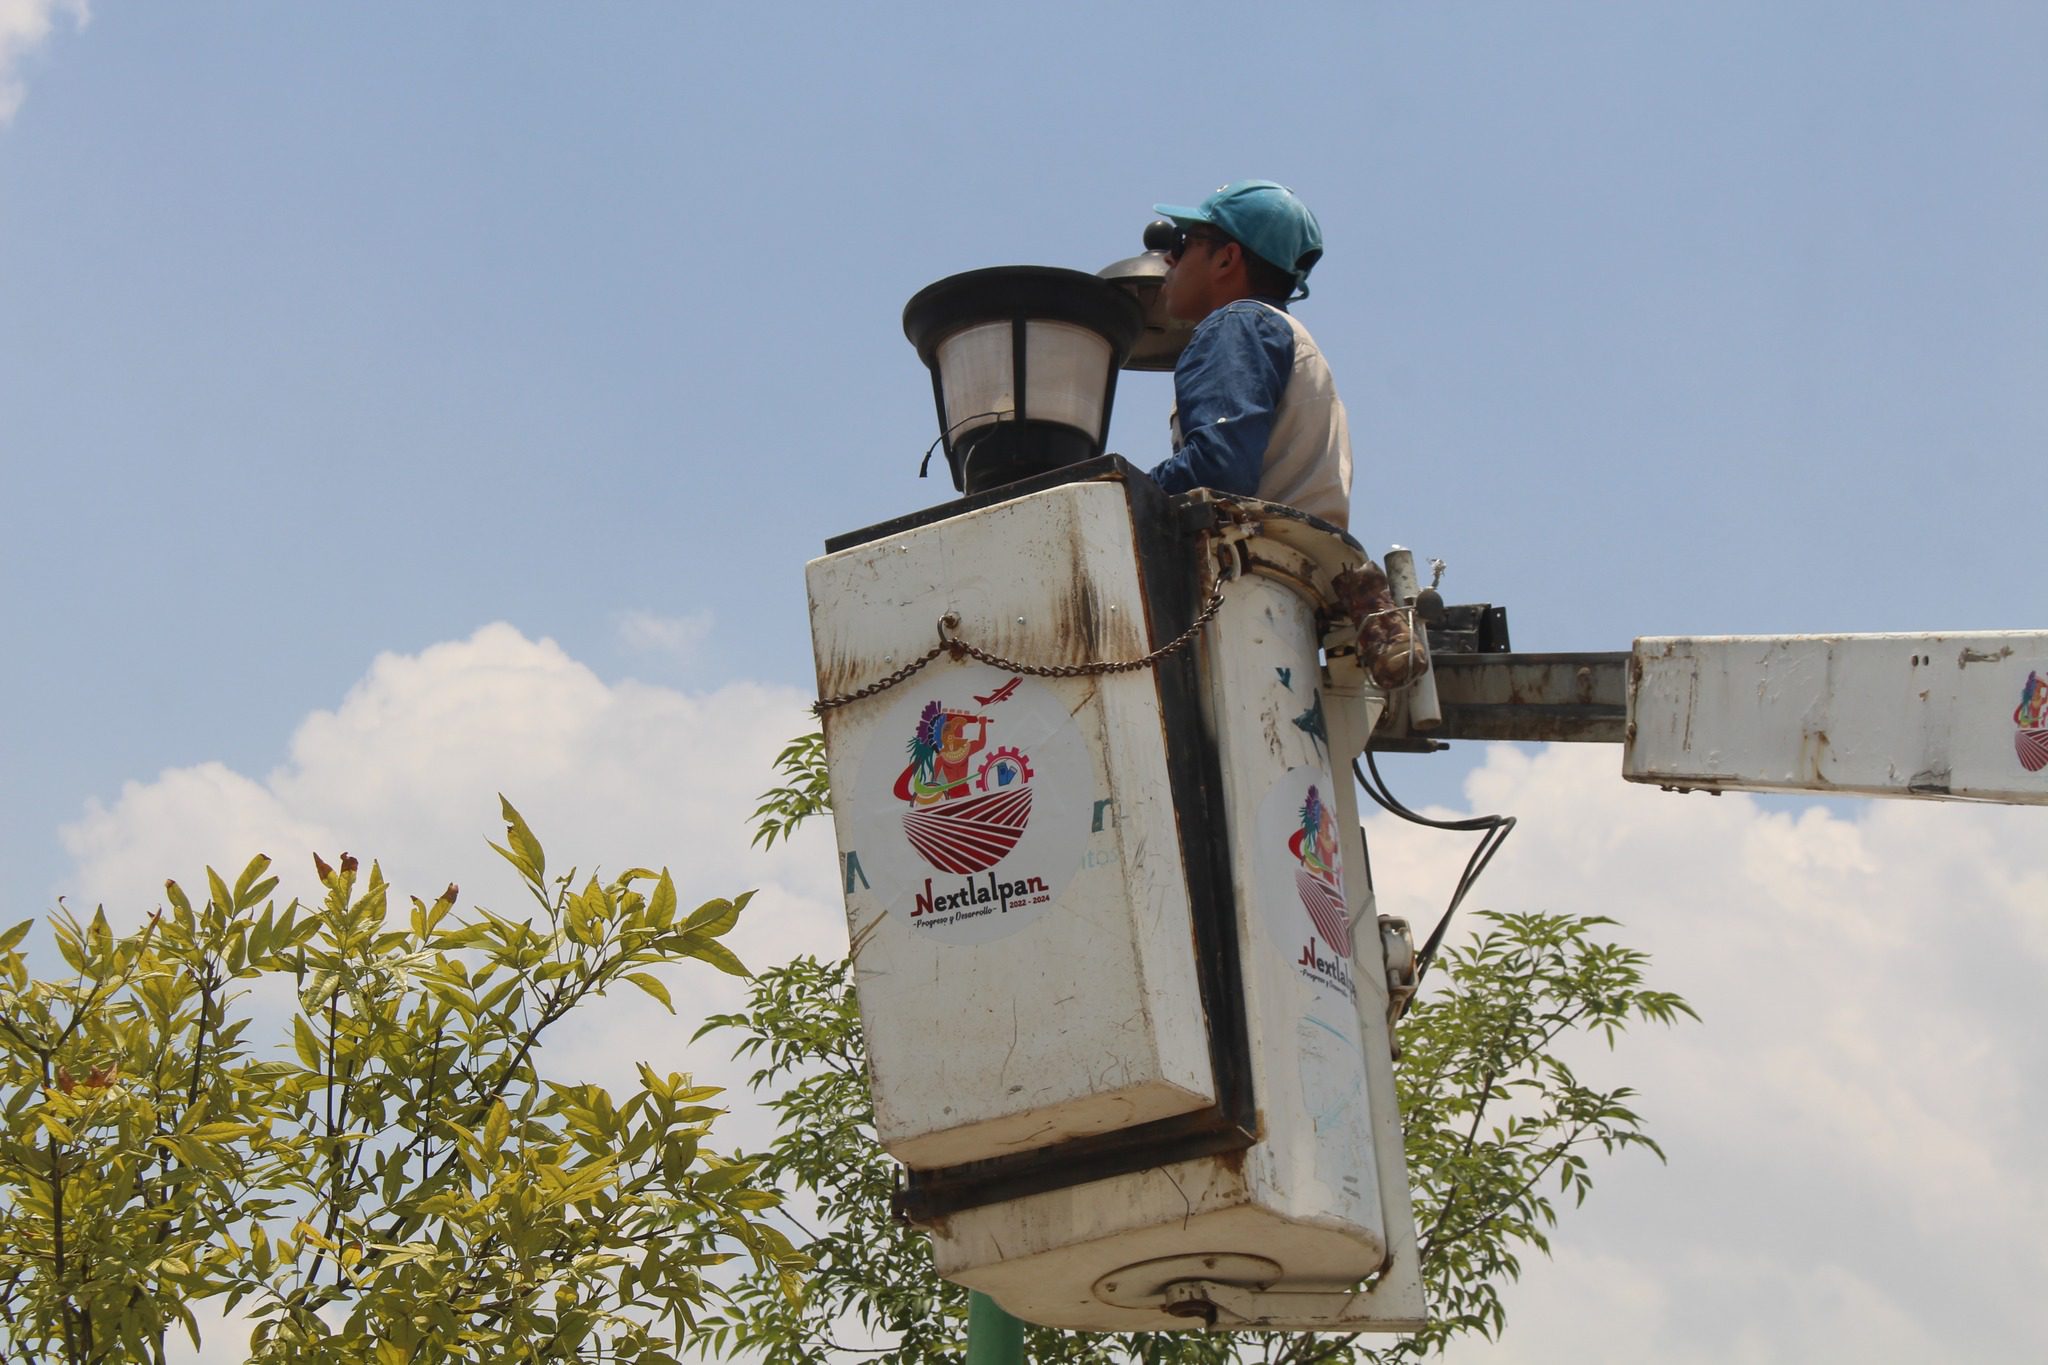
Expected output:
(2033, 708)
(924, 741)
(1311, 825)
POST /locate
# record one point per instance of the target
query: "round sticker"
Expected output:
(971, 804)
(2031, 739)
(1300, 879)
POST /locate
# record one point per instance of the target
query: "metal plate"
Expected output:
(1144, 1285)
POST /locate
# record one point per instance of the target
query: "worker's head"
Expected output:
(1252, 238)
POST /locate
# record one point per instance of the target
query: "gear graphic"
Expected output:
(1005, 767)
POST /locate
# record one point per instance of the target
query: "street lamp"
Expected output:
(1024, 361)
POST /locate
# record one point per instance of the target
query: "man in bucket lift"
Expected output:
(1256, 412)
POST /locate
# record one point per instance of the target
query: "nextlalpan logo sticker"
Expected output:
(1300, 886)
(971, 804)
(1301, 879)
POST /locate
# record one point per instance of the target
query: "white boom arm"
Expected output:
(1962, 717)
(1946, 717)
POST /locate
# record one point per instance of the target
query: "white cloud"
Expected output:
(24, 27)
(674, 638)
(187, 819)
(407, 770)
(1852, 1129)
(1612, 1310)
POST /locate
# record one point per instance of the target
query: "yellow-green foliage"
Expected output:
(396, 1180)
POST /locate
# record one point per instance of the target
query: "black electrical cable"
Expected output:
(925, 463)
(1493, 828)
(1493, 831)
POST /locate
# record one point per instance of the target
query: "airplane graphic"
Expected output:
(1001, 693)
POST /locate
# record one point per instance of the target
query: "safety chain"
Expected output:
(960, 649)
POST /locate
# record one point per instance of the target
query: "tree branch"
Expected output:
(1551, 1159)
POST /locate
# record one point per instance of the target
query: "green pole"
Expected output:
(993, 1336)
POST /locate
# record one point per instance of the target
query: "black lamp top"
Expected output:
(1038, 292)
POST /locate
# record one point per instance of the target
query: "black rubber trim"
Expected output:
(1101, 467)
(1038, 292)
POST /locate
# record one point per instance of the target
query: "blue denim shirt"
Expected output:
(1226, 388)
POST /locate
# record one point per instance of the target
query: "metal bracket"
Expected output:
(1397, 942)
(1541, 697)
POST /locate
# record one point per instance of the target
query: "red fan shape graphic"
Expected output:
(970, 834)
(2033, 749)
(1325, 906)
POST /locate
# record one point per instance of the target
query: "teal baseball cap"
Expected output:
(1267, 218)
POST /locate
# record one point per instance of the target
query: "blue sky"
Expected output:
(332, 333)
(348, 330)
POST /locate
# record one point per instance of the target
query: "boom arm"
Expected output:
(1961, 717)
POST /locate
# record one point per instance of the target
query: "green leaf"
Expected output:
(223, 1132)
(662, 909)
(583, 922)
(245, 893)
(652, 984)
(720, 1178)
(523, 843)
(719, 956)
(714, 918)
(497, 1126)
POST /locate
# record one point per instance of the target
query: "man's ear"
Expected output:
(1230, 259)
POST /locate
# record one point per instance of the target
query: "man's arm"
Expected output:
(1227, 388)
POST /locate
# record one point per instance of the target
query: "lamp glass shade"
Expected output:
(1024, 361)
(1067, 372)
